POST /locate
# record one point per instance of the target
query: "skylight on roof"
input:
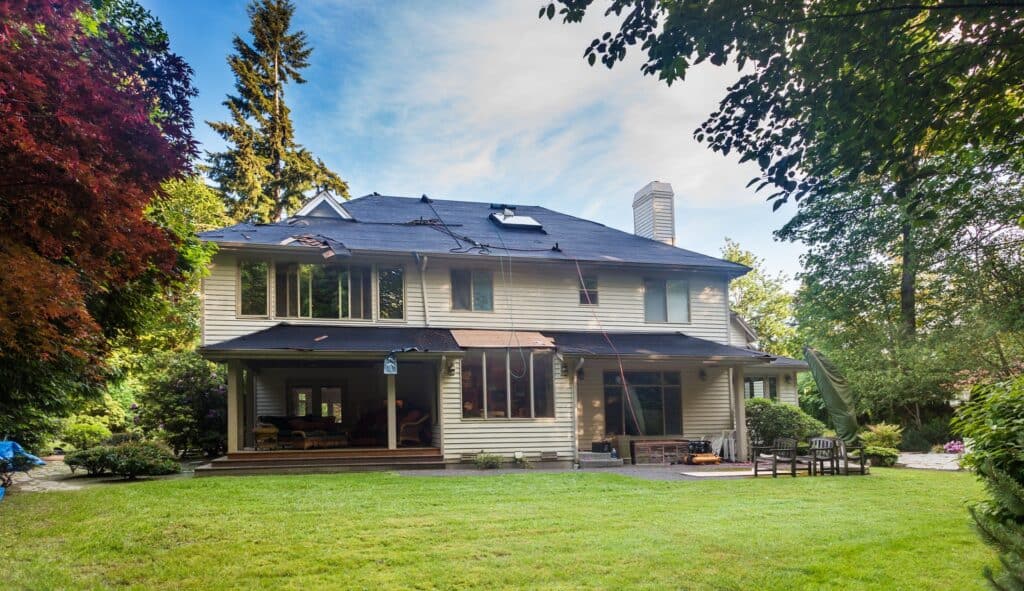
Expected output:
(508, 218)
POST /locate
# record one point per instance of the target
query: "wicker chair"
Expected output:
(781, 451)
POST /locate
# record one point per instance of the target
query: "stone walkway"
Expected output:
(56, 476)
(928, 461)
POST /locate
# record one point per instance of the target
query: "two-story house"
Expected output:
(423, 331)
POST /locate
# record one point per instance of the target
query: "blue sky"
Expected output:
(485, 102)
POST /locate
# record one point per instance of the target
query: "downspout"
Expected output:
(422, 260)
(575, 413)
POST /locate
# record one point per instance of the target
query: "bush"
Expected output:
(931, 432)
(186, 405)
(485, 461)
(882, 456)
(119, 438)
(84, 431)
(882, 435)
(144, 458)
(767, 421)
(95, 460)
(993, 422)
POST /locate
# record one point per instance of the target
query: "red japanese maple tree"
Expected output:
(88, 130)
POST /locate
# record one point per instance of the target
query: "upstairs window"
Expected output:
(666, 300)
(252, 288)
(390, 294)
(323, 291)
(472, 290)
(588, 290)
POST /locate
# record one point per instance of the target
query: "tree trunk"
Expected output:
(908, 282)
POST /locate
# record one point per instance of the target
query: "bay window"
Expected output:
(512, 383)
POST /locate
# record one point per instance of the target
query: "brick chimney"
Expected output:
(654, 212)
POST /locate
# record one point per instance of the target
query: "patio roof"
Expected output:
(635, 344)
(338, 339)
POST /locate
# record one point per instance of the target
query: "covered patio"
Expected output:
(308, 395)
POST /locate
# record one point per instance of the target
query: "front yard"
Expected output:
(897, 529)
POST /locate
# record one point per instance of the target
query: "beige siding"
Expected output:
(535, 297)
(737, 336)
(706, 406)
(787, 390)
(506, 436)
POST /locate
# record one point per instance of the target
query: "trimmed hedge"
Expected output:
(768, 420)
(128, 460)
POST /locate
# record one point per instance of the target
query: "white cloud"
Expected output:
(487, 102)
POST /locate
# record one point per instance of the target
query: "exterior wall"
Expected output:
(787, 391)
(706, 403)
(737, 336)
(505, 436)
(537, 296)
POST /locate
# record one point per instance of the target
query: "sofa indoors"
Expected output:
(305, 432)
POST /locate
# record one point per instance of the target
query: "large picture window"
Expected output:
(252, 287)
(649, 403)
(472, 290)
(324, 291)
(666, 300)
(513, 383)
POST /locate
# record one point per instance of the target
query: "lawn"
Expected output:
(896, 529)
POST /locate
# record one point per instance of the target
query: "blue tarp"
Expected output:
(9, 450)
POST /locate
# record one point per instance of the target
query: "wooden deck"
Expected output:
(322, 460)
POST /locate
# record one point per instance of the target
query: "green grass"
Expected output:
(897, 529)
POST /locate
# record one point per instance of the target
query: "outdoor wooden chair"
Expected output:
(822, 455)
(782, 451)
(844, 457)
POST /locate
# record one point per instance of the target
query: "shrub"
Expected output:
(882, 456)
(119, 438)
(95, 460)
(84, 431)
(485, 461)
(144, 458)
(186, 405)
(993, 422)
(931, 432)
(882, 435)
(938, 449)
(767, 421)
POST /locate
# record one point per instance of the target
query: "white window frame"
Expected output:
(588, 301)
(238, 287)
(472, 291)
(485, 415)
(665, 281)
(376, 294)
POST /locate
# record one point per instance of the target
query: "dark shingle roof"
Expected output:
(789, 362)
(339, 339)
(673, 344)
(404, 224)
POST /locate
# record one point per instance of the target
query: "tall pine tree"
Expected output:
(264, 173)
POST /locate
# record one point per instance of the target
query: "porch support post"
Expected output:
(740, 414)
(392, 415)
(235, 404)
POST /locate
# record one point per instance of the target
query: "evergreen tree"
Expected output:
(264, 172)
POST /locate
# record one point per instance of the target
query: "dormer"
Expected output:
(324, 205)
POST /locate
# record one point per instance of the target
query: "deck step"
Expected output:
(299, 462)
(322, 468)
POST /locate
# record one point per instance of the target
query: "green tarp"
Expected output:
(835, 392)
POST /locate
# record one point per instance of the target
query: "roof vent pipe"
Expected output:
(654, 212)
